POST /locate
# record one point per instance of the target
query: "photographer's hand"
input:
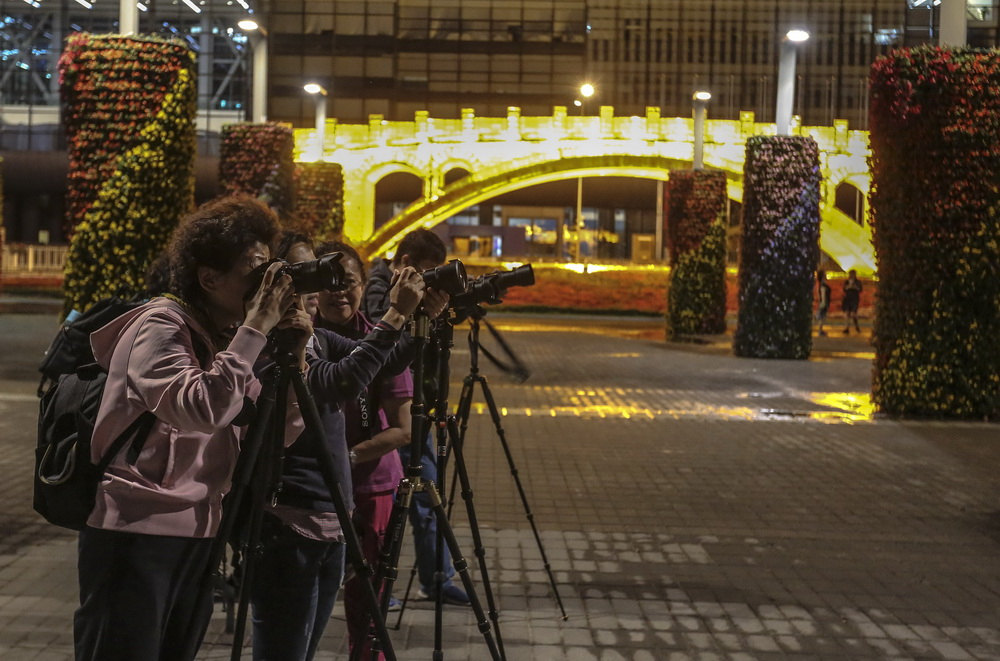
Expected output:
(297, 319)
(404, 297)
(435, 302)
(271, 301)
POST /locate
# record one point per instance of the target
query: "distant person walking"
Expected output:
(824, 300)
(852, 297)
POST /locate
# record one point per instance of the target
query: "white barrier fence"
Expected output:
(27, 259)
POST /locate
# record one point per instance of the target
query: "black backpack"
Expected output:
(65, 480)
(70, 348)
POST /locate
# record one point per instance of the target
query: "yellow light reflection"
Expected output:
(852, 406)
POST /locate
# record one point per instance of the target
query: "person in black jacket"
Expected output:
(851, 301)
(423, 250)
(302, 565)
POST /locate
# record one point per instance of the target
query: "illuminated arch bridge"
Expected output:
(509, 153)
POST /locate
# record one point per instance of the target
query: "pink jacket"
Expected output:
(186, 464)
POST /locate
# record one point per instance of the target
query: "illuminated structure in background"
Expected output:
(502, 154)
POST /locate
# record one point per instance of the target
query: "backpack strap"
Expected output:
(136, 432)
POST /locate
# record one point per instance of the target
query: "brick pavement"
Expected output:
(691, 505)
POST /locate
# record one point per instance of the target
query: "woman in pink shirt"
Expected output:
(377, 424)
(143, 554)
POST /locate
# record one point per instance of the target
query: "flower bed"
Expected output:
(696, 233)
(634, 291)
(935, 198)
(129, 109)
(779, 249)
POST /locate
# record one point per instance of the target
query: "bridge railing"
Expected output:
(19, 259)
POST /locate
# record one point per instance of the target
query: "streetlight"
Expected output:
(258, 44)
(786, 79)
(319, 95)
(587, 90)
(699, 103)
(128, 17)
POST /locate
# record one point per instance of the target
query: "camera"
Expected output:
(323, 274)
(448, 277)
(491, 287)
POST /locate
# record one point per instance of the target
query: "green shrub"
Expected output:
(256, 159)
(934, 200)
(319, 200)
(696, 233)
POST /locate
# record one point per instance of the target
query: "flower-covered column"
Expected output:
(696, 237)
(780, 247)
(935, 200)
(129, 110)
(256, 159)
(319, 200)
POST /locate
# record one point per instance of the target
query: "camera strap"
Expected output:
(365, 414)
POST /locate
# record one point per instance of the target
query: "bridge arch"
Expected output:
(475, 189)
(840, 236)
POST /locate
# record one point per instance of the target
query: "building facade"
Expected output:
(394, 57)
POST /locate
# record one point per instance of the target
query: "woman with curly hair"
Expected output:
(188, 358)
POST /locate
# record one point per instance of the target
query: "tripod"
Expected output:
(414, 483)
(475, 315)
(258, 471)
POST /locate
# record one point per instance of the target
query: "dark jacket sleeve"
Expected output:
(376, 300)
(348, 366)
(402, 356)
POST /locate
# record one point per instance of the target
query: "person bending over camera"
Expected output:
(302, 564)
(144, 551)
(423, 250)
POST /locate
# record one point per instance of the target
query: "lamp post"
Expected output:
(258, 46)
(699, 104)
(128, 17)
(786, 79)
(954, 24)
(319, 95)
(586, 91)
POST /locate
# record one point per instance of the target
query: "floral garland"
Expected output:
(780, 247)
(935, 203)
(319, 200)
(129, 119)
(256, 159)
(696, 237)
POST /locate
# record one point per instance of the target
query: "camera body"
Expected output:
(323, 274)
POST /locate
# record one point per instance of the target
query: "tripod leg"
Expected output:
(386, 574)
(502, 435)
(262, 481)
(462, 567)
(310, 414)
(478, 548)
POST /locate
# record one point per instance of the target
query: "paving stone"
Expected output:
(695, 528)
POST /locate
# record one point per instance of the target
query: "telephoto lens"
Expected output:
(448, 277)
(491, 287)
(323, 274)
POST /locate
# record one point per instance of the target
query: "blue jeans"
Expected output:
(294, 590)
(424, 523)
